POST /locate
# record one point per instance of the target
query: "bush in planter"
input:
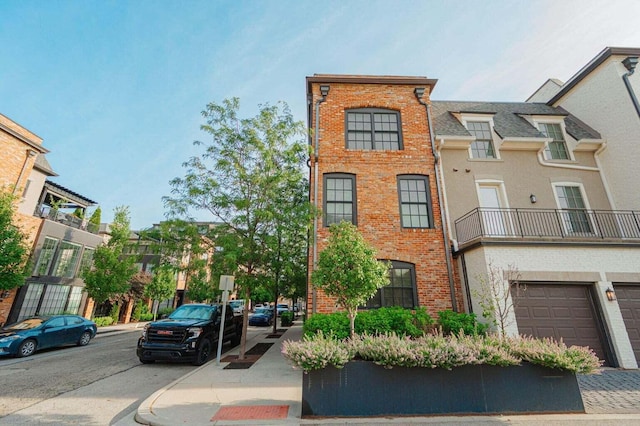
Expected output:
(437, 351)
(286, 319)
(376, 321)
(455, 322)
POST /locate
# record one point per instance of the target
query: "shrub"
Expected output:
(286, 318)
(103, 321)
(376, 321)
(319, 351)
(336, 325)
(139, 311)
(115, 313)
(164, 311)
(437, 351)
(456, 322)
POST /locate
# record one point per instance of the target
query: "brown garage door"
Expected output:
(629, 302)
(560, 311)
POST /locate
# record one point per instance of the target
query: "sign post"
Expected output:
(226, 285)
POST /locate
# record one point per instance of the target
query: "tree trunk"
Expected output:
(352, 323)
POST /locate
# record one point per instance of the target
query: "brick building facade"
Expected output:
(372, 163)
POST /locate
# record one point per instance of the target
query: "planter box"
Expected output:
(362, 388)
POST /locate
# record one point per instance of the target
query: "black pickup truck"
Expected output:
(190, 333)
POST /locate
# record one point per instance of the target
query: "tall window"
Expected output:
(401, 291)
(339, 198)
(415, 202)
(557, 148)
(575, 217)
(373, 129)
(482, 147)
(46, 256)
(87, 259)
(67, 260)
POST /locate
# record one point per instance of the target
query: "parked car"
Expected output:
(237, 306)
(282, 307)
(262, 316)
(25, 337)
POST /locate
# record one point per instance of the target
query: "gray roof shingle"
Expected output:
(507, 119)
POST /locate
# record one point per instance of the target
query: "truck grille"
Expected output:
(166, 335)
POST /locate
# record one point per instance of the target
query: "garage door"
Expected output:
(560, 311)
(629, 302)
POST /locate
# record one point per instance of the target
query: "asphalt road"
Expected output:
(98, 384)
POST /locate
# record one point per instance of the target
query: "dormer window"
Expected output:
(557, 148)
(373, 129)
(482, 147)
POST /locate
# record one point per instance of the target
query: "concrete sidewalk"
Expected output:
(203, 396)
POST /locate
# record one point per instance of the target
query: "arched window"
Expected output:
(401, 291)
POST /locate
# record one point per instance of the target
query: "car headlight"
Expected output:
(194, 332)
(9, 338)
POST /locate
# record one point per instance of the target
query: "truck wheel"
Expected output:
(203, 352)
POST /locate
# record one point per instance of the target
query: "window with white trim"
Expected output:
(557, 148)
(482, 147)
(574, 210)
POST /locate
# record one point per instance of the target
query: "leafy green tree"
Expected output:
(348, 269)
(14, 250)
(162, 285)
(112, 270)
(236, 180)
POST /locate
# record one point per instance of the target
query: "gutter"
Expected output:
(630, 64)
(444, 224)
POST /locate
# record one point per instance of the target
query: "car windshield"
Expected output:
(26, 324)
(264, 311)
(193, 312)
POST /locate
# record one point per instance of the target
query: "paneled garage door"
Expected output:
(629, 302)
(560, 311)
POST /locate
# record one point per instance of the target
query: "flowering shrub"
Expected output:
(437, 351)
(549, 353)
(317, 352)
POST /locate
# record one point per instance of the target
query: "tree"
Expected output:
(348, 270)
(236, 180)
(494, 296)
(162, 285)
(112, 270)
(14, 250)
(96, 217)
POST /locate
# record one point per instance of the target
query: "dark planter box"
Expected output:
(364, 389)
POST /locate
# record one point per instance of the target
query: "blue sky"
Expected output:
(115, 88)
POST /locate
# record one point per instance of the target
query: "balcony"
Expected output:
(47, 212)
(569, 224)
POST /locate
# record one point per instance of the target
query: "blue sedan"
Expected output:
(23, 338)
(261, 316)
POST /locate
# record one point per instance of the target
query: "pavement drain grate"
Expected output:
(274, 336)
(252, 412)
(238, 365)
(259, 349)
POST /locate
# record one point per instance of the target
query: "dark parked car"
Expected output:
(23, 338)
(261, 316)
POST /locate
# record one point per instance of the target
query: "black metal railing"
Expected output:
(548, 223)
(73, 221)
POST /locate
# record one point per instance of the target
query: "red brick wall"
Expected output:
(378, 216)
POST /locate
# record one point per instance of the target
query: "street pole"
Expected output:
(226, 284)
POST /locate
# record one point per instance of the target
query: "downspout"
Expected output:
(630, 64)
(419, 92)
(324, 90)
(30, 153)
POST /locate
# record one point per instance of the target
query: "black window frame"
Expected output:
(381, 296)
(354, 208)
(372, 131)
(427, 202)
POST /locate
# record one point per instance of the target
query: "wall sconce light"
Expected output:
(611, 295)
(533, 199)
(324, 90)
(5, 294)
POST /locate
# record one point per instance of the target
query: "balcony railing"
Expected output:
(47, 212)
(547, 223)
